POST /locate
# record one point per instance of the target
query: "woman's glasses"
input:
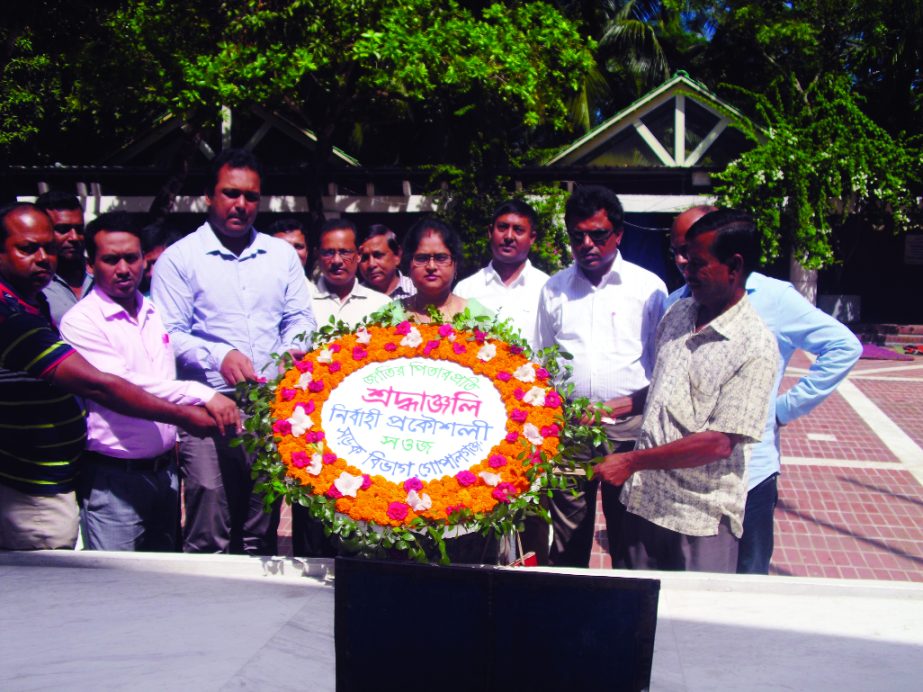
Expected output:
(440, 258)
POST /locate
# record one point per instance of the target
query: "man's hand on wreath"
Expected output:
(236, 367)
(615, 469)
(225, 413)
(296, 354)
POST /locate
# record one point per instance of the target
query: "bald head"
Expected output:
(681, 224)
(28, 250)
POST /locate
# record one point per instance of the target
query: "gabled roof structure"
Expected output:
(680, 124)
(257, 129)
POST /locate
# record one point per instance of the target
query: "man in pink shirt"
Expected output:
(128, 487)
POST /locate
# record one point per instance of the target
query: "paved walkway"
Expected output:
(851, 490)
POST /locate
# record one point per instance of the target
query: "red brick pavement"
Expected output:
(835, 520)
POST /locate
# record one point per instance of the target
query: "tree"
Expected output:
(802, 67)
(342, 65)
(815, 166)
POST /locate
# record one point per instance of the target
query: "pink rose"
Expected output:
(282, 427)
(459, 347)
(515, 350)
(359, 353)
(496, 461)
(445, 330)
(552, 399)
(451, 509)
(390, 347)
(466, 478)
(300, 459)
(335, 366)
(304, 366)
(518, 415)
(413, 484)
(333, 493)
(512, 436)
(288, 394)
(316, 386)
(398, 511)
(314, 436)
(329, 457)
(519, 394)
(402, 329)
(549, 430)
(334, 348)
(504, 376)
(261, 380)
(480, 336)
(306, 406)
(366, 482)
(430, 345)
(503, 491)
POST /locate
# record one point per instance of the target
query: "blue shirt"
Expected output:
(796, 324)
(213, 302)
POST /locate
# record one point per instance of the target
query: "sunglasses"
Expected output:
(234, 193)
(598, 236)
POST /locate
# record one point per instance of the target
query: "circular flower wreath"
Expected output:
(372, 511)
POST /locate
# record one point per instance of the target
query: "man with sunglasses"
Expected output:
(604, 311)
(337, 293)
(72, 280)
(796, 324)
(229, 298)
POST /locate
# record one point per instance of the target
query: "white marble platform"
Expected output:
(116, 621)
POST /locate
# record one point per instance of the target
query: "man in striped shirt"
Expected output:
(42, 423)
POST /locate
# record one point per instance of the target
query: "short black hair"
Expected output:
(518, 207)
(379, 229)
(421, 228)
(286, 225)
(232, 158)
(735, 234)
(111, 222)
(160, 233)
(586, 200)
(58, 200)
(343, 224)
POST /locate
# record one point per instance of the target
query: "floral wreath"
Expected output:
(371, 514)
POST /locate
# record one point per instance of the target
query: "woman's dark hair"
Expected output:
(424, 227)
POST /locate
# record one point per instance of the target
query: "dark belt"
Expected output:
(154, 464)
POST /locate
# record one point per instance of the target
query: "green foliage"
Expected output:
(816, 165)
(466, 200)
(424, 541)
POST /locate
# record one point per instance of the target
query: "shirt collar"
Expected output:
(728, 322)
(323, 291)
(613, 276)
(112, 310)
(256, 244)
(8, 293)
(494, 277)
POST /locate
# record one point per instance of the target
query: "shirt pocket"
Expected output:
(692, 403)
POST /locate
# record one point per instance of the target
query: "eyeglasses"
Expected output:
(598, 236)
(330, 253)
(440, 258)
(234, 193)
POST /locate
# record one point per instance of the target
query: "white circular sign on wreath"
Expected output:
(414, 417)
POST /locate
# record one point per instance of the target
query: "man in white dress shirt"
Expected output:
(604, 311)
(509, 284)
(337, 293)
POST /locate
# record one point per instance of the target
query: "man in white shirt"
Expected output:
(509, 285)
(604, 311)
(340, 296)
(337, 293)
